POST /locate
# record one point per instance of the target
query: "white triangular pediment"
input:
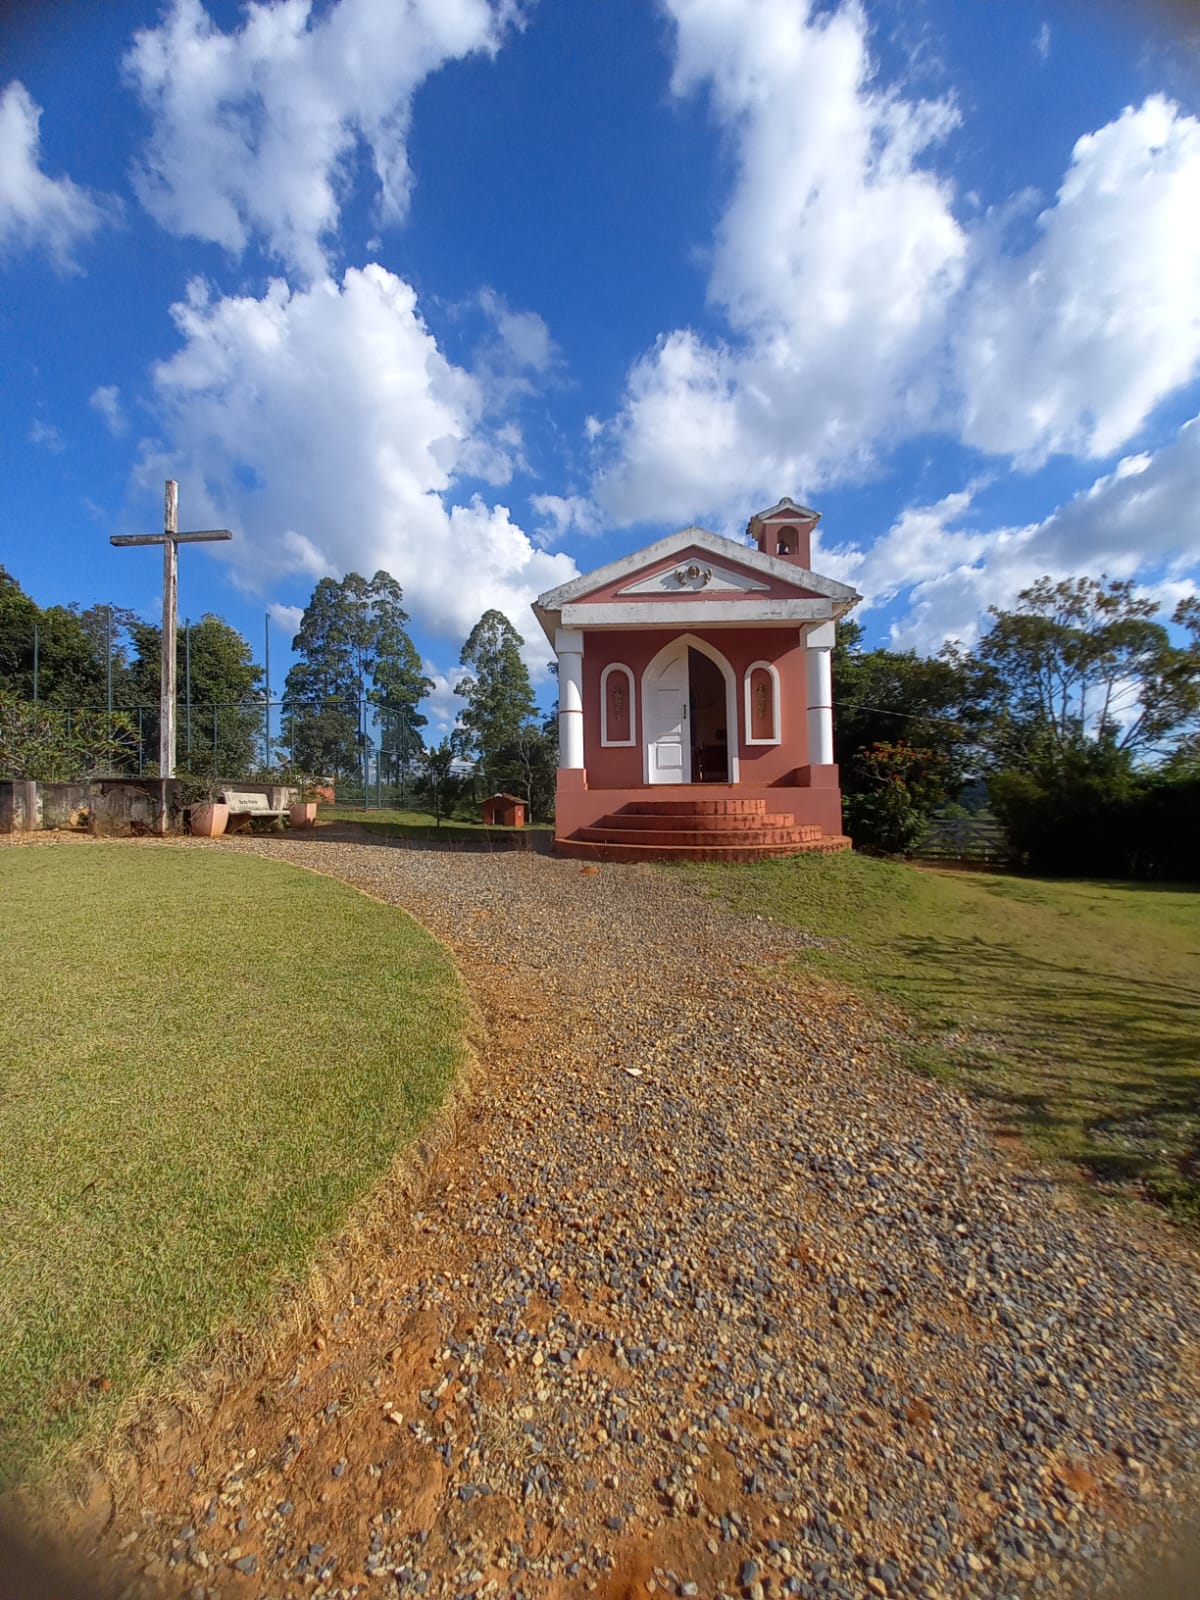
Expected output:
(696, 577)
(687, 542)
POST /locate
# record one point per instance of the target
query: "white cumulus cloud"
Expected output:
(37, 211)
(858, 309)
(255, 131)
(1141, 520)
(328, 430)
(106, 401)
(442, 706)
(48, 436)
(560, 513)
(1070, 344)
(287, 618)
(833, 265)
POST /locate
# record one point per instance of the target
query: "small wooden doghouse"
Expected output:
(503, 811)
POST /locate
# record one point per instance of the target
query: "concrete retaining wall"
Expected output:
(18, 806)
(114, 808)
(125, 808)
(63, 805)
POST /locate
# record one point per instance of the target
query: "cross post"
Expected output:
(170, 539)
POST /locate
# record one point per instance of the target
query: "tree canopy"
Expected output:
(354, 650)
(1084, 662)
(226, 717)
(1078, 707)
(71, 648)
(498, 694)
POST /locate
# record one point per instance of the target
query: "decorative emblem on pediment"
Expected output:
(693, 576)
(696, 576)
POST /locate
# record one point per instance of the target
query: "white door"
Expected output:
(668, 737)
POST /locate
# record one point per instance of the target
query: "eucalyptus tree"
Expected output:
(498, 694)
(354, 653)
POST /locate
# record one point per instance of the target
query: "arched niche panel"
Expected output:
(762, 703)
(617, 717)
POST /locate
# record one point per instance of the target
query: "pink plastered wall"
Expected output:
(613, 768)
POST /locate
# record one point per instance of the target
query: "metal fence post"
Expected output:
(267, 691)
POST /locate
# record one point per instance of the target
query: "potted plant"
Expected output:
(303, 810)
(199, 791)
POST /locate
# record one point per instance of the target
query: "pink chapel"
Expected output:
(695, 705)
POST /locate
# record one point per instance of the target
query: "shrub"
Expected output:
(897, 787)
(58, 746)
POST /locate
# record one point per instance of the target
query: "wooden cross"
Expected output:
(170, 539)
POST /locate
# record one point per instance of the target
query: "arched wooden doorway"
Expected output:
(683, 730)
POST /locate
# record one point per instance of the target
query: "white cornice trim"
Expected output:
(714, 544)
(753, 613)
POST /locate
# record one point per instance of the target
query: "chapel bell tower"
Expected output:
(785, 531)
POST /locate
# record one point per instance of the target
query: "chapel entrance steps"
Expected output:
(697, 830)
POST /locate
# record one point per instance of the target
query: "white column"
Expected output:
(819, 677)
(568, 646)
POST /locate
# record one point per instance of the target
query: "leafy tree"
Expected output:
(908, 735)
(438, 782)
(108, 627)
(529, 765)
(896, 786)
(226, 693)
(1088, 690)
(888, 697)
(401, 751)
(1066, 809)
(55, 744)
(498, 693)
(1083, 660)
(354, 650)
(70, 652)
(18, 615)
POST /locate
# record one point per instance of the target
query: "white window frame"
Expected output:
(605, 741)
(767, 666)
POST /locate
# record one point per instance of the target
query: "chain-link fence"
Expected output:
(336, 744)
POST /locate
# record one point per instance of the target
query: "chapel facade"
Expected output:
(695, 704)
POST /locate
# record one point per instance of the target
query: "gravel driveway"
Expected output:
(709, 1298)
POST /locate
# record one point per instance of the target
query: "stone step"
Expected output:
(582, 850)
(695, 808)
(679, 838)
(735, 824)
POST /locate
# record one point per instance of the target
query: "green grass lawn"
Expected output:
(1075, 1006)
(205, 1059)
(421, 826)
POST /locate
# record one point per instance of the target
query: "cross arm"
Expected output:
(203, 536)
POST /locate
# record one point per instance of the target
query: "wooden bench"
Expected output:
(246, 805)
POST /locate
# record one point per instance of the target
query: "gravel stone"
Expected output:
(708, 1289)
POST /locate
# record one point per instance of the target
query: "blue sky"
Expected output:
(488, 292)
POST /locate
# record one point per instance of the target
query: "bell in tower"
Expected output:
(785, 531)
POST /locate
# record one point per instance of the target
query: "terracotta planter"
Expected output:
(207, 820)
(303, 814)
